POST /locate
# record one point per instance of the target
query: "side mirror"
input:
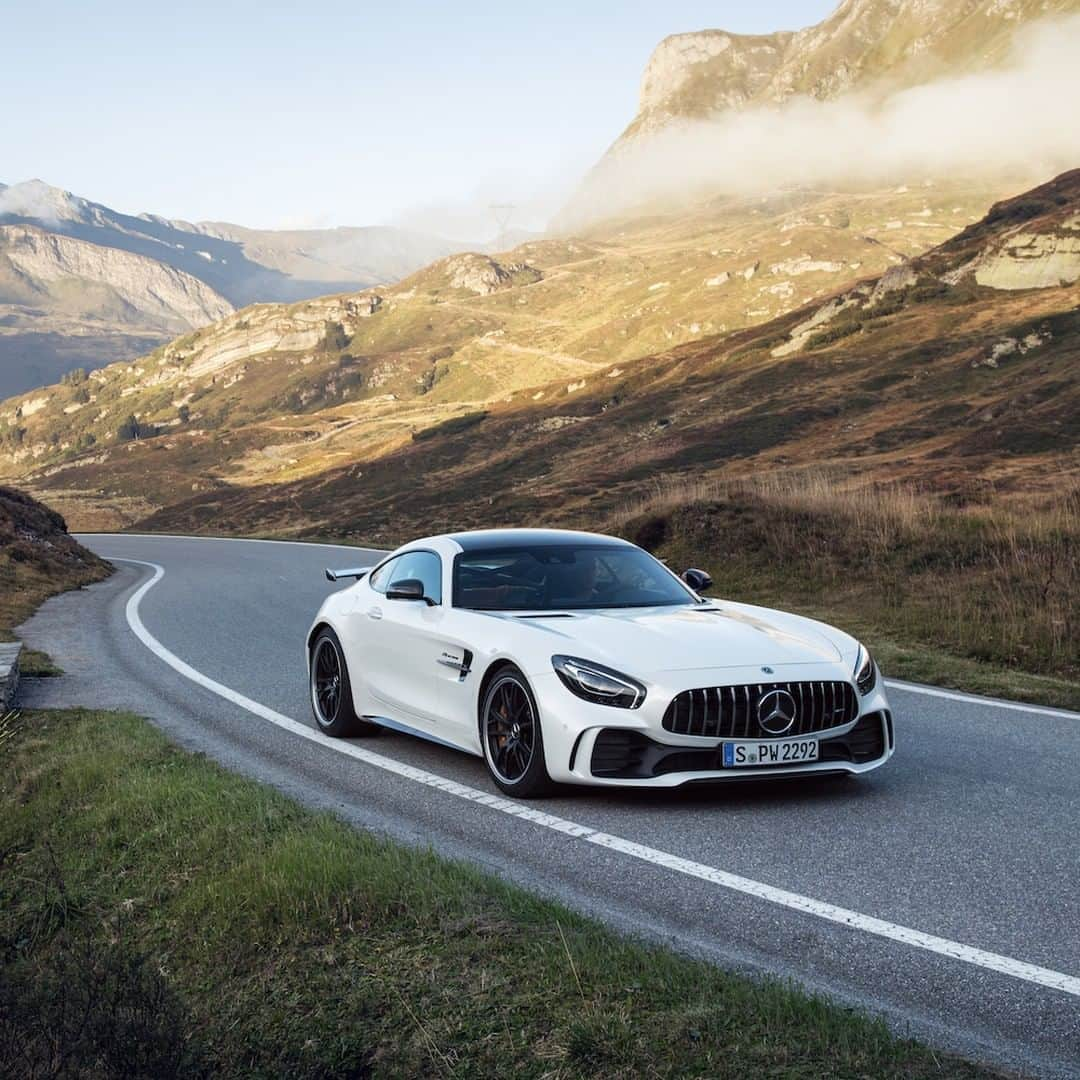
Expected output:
(698, 580)
(406, 589)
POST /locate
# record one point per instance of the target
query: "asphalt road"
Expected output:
(942, 891)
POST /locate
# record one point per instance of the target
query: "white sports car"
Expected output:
(565, 657)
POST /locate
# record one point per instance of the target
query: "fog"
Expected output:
(1021, 117)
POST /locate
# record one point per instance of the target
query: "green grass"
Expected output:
(160, 916)
(38, 664)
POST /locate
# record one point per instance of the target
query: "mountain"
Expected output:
(880, 44)
(730, 289)
(279, 391)
(878, 89)
(956, 364)
(959, 371)
(65, 303)
(244, 265)
(82, 285)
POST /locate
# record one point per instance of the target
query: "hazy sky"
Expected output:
(316, 114)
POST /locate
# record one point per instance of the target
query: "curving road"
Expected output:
(942, 891)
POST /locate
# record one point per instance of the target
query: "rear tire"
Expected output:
(511, 737)
(331, 690)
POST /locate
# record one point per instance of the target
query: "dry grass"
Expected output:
(37, 558)
(991, 583)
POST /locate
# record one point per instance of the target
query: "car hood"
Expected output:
(715, 635)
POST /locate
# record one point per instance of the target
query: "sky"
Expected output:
(300, 116)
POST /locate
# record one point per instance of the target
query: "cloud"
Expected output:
(33, 199)
(1020, 117)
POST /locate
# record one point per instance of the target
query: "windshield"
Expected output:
(549, 578)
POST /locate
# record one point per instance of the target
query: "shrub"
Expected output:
(451, 427)
(334, 339)
(834, 333)
(131, 430)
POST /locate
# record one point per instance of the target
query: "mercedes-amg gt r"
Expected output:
(572, 658)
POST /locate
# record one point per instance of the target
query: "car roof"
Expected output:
(494, 539)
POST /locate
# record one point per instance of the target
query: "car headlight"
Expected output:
(865, 671)
(598, 684)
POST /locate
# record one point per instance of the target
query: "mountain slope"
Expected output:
(82, 285)
(62, 300)
(892, 43)
(279, 391)
(920, 374)
(37, 558)
(243, 265)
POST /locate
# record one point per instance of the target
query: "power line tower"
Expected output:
(502, 212)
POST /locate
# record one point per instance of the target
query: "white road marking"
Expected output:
(893, 684)
(1004, 965)
(974, 699)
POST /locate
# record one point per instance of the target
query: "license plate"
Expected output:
(789, 752)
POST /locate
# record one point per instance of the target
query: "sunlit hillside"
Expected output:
(277, 392)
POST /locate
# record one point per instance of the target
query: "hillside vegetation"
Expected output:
(37, 558)
(276, 393)
(979, 597)
(921, 375)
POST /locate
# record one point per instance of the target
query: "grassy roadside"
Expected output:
(162, 917)
(37, 560)
(979, 598)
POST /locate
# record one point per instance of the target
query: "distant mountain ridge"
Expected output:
(82, 285)
(243, 265)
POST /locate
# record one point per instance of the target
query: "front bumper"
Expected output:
(598, 745)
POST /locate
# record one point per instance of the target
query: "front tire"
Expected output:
(331, 691)
(512, 739)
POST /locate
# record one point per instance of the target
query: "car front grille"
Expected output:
(731, 712)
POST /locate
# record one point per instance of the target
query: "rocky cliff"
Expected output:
(66, 303)
(51, 270)
(895, 43)
(82, 284)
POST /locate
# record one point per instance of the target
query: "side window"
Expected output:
(424, 566)
(381, 577)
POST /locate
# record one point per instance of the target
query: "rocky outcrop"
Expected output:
(482, 275)
(1031, 261)
(54, 267)
(694, 75)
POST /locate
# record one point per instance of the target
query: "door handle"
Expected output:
(374, 613)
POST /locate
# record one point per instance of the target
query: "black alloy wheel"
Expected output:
(512, 739)
(331, 691)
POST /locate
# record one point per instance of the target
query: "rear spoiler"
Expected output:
(337, 575)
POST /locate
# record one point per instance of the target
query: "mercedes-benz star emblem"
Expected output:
(776, 711)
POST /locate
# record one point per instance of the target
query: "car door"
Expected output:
(365, 642)
(422, 681)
